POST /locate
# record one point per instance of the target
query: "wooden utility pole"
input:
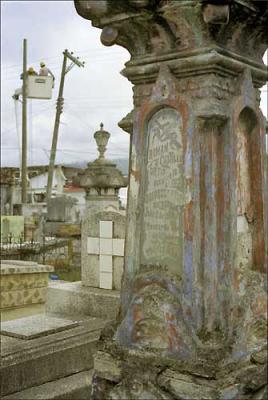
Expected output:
(59, 109)
(24, 127)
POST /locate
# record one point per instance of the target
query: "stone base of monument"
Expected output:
(44, 348)
(74, 298)
(140, 375)
(75, 387)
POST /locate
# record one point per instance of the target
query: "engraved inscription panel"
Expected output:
(163, 193)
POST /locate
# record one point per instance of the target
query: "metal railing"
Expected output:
(49, 249)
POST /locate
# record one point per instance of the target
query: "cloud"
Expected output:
(94, 94)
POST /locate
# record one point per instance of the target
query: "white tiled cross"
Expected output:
(106, 247)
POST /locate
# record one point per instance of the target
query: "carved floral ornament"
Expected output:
(160, 26)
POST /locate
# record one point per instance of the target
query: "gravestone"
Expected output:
(103, 252)
(193, 297)
(30, 228)
(102, 243)
(103, 225)
(12, 225)
(7, 209)
(61, 209)
(163, 192)
(5, 229)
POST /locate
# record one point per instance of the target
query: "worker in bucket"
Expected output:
(45, 71)
(31, 71)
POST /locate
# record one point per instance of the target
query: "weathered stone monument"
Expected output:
(103, 225)
(102, 243)
(192, 322)
(103, 251)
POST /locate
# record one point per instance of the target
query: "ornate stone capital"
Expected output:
(160, 27)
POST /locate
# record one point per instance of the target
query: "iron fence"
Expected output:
(51, 250)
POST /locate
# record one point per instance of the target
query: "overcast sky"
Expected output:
(94, 94)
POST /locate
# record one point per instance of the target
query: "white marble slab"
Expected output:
(106, 280)
(106, 246)
(106, 229)
(106, 263)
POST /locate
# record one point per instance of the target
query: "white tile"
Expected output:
(106, 263)
(106, 280)
(118, 247)
(93, 245)
(106, 246)
(106, 229)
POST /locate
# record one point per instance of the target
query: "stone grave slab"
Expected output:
(36, 326)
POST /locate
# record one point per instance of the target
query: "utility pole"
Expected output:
(59, 109)
(24, 127)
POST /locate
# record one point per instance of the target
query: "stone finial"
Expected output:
(101, 173)
(102, 138)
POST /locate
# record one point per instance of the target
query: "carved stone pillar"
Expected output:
(197, 209)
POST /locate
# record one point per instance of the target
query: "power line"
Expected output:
(91, 152)
(96, 98)
(102, 57)
(34, 115)
(93, 102)
(113, 100)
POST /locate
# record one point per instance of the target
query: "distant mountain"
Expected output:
(76, 164)
(122, 164)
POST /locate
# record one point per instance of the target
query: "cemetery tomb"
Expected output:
(35, 326)
(23, 283)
